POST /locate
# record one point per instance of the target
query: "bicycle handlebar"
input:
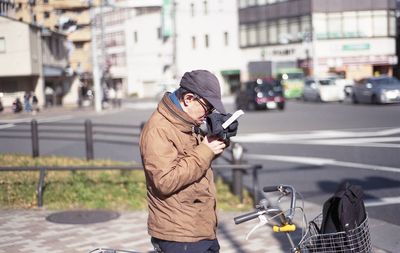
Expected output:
(285, 190)
(270, 188)
(246, 217)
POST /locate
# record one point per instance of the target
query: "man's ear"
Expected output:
(187, 98)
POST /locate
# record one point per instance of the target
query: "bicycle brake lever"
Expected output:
(263, 221)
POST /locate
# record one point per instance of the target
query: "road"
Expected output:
(311, 146)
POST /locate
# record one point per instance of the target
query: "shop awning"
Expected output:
(230, 72)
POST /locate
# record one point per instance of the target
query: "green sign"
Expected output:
(356, 47)
(167, 18)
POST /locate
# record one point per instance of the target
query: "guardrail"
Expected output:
(91, 133)
(68, 131)
(238, 171)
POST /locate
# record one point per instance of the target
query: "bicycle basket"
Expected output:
(357, 240)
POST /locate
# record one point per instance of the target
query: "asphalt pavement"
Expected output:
(29, 231)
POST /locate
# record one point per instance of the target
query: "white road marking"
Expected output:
(6, 126)
(321, 161)
(54, 119)
(380, 138)
(323, 134)
(382, 201)
(49, 119)
(143, 105)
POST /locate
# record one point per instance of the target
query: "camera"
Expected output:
(213, 126)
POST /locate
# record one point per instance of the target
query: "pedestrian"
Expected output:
(49, 96)
(17, 106)
(111, 96)
(119, 95)
(1, 106)
(35, 104)
(176, 160)
(27, 102)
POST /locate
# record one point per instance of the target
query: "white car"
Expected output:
(327, 89)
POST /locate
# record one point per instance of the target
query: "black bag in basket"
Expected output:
(345, 210)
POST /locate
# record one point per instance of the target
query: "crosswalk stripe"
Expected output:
(321, 162)
(382, 201)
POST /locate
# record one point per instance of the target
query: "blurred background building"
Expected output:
(354, 38)
(144, 46)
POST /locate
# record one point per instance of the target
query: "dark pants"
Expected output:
(203, 246)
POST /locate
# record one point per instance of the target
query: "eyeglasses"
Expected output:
(207, 108)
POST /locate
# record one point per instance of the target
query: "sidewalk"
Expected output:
(57, 111)
(29, 231)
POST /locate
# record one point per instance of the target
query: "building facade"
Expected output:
(148, 55)
(181, 36)
(30, 57)
(207, 38)
(349, 37)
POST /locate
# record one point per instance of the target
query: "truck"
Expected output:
(290, 76)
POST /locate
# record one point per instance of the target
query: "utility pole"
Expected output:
(95, 64)
(314, 48)
(174, 34)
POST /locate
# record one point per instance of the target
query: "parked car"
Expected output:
(260, 94)
(377, 90)
(327, 89)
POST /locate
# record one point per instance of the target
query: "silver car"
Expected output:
(377, 90)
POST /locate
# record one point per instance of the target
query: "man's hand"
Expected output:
(215, 144)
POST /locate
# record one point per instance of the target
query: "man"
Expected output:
(180, 188)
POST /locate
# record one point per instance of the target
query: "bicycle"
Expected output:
(351, 241)
(356, 240)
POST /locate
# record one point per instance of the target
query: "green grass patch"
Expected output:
(116, 190)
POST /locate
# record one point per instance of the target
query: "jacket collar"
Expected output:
(177, 117)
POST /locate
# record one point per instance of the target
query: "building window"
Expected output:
(365, 23)
(252, 35)
(205, 5)
(283, 31)
(350, 24)
(226, 38)
(263, 33)
(380, 23)
(192, 9)
(273, 33)
(334, 25)
(46, 14)
(392, 23)
(321, 25)
(135, 37)
(242, 4)
(305, 22)
(206, 41)
(193, 42)
(118, 59)
(243, 36)
(294, 29)
(79, 45)
(251, 2)
(2, 45)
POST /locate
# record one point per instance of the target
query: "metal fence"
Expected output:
(238, 171)
(89, 133)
